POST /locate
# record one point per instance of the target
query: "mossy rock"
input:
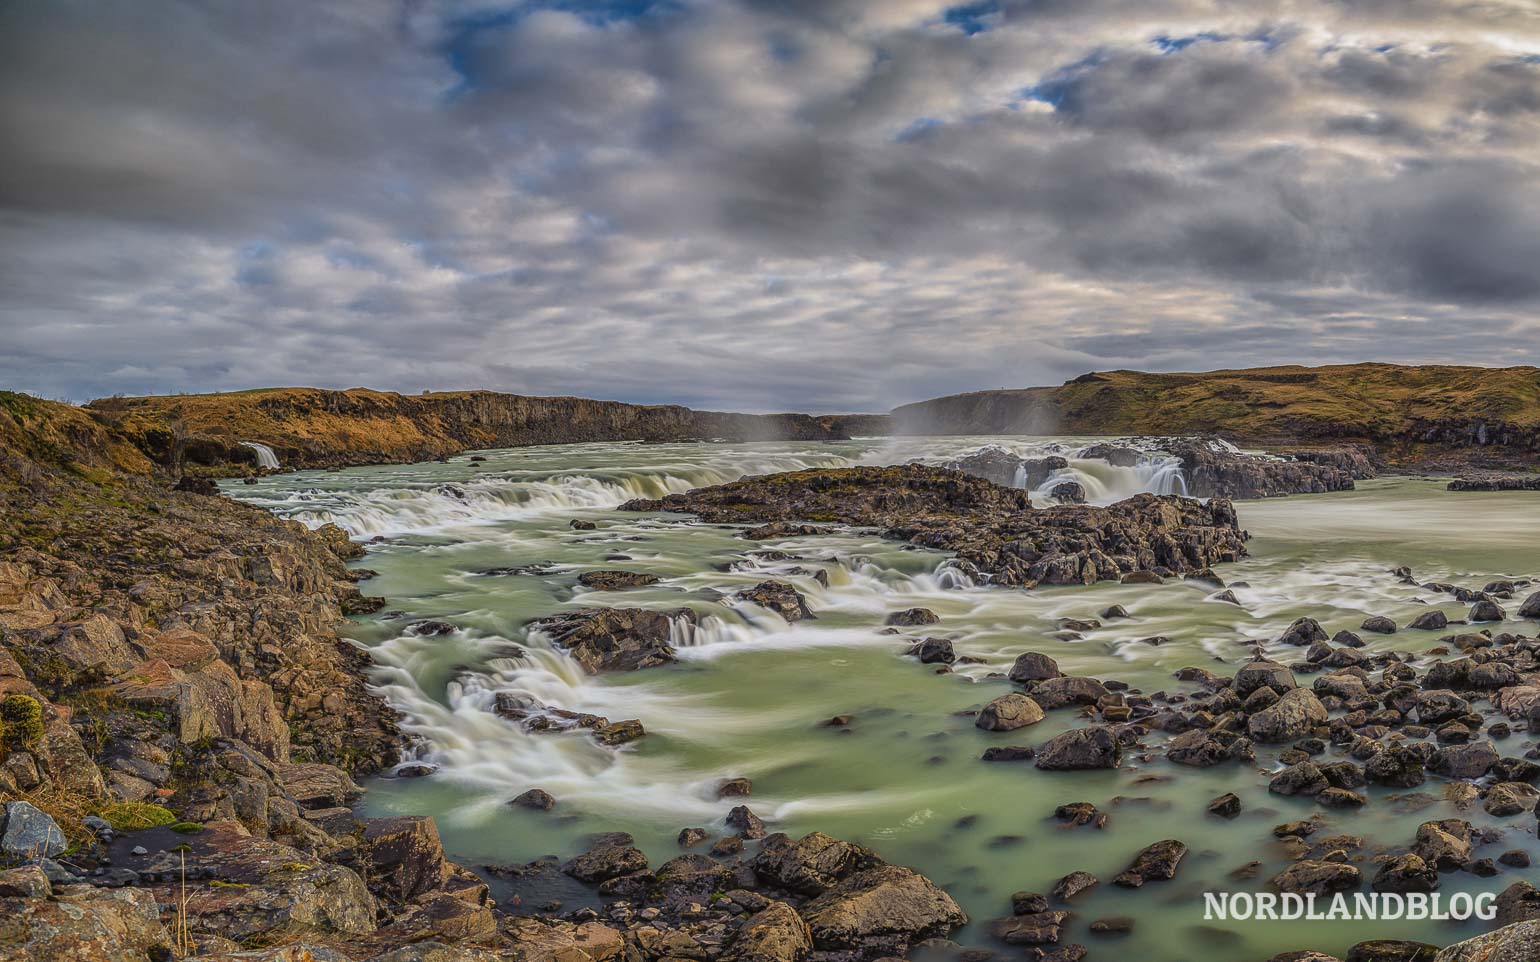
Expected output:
(21, 721)
(186, 828)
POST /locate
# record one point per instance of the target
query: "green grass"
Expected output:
(137, 816)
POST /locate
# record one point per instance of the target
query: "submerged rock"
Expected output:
(616, 580)
(779, 597)
(1081, 749)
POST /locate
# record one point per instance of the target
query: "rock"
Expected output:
(616, 580)
(1306, 778)
(1081, 749)
(779, 597)
(809, 866)
(944, 510)
(880, 902)
(1197, 749)
(1072, 885)
(578, 524)
(26, 882)
(1213, 471)
(745, 823)
(1303, 632)
(85, 924)
(1399, 767)
(1008, 713)
(691, 837)
(1430, 621)
(934, 651)
(1405, 873)
(605, 861)
(1067, 690)
(1379, 624)
(1114, 612)
(1309, 877)
(1263, 674)
(735, 788)
(535, 798)
(1340, 798)
(911, 617)
(1510, 798)
(1437, 706)
(1392, 950)
(1038, 928)
(619, 733)
(1227, 805)
(406, 855)
(1445, 845)
(1033, 666)
(1157, 862)
(26, 832)
(1068, 492)
(617, 639)
(1531, 606)
(1519, 942)
(1486, 610)
(773, 934)
(1115, 925)
(1463, 761)
(1295, 716)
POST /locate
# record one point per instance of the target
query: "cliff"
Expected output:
(309, 428)
(1432, 416)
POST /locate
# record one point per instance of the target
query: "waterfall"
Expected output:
(266, 459)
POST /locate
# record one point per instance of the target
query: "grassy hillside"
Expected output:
(1408, 413)
(308, 427)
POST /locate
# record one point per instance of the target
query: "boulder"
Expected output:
(1008, 713)
(26, 831)
(1294, 716)
(880, 903)
(1486, 610)
(616, 639)
(1033, 666)
(911, 617)
(1303, 632)
(1081, 749)
(1379, 624)
(1510, 798)
(779, 597)
(406, 856)
(616, 580)
(1310, 877)
(1445, 844)
(609, 859)
(810, 866)
(773, 934)
(1263, 674)
(1519, 942)
(1434, 620)
(1067, 690)
(84, 924)
(934, 651)
(1463, 761)
(1405, 873)
(1155, 863)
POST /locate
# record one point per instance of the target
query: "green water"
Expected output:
(905, 778)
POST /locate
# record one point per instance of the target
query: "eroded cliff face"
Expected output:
(310, 428)
(1427, 416)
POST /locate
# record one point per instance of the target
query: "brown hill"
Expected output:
(1432, 415)
(308, 427)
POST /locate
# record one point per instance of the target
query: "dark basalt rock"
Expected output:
(1506, 482)
(1033, 666)
(934, 651)
(1309, 877)
(535, 798)
(1068, 492)
(1379, 624)
(1155, 863)
(911, 617)
(1081, 749)
(615, 639)
(615, 580)
(1211, 472)
(779, 597)
(1000, 466)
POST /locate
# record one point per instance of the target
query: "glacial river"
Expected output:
(905, 778)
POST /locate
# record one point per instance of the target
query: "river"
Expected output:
(750, 692)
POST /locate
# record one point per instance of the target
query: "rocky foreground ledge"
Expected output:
(994, 530)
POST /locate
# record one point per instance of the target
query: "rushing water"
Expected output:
(751, 691)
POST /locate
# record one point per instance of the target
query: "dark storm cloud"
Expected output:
(834, 205)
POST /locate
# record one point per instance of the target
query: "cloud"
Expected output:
(735, 204)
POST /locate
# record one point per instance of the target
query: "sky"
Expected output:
(815, 205)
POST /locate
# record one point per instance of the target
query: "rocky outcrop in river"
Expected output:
(993, 529)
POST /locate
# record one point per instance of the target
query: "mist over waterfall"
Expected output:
(266, 459)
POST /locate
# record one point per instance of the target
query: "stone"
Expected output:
(1430, 621)
(1486, 610)
(1405, 873)
(26, 882)
(1081, 749)
(1463, 761)
(1445, 844)
(1519, 942)
(406, 855)
(1310, 877)
(911, 617)
(1303, 632)
(779, 597)
(27, 832)
(1227, 805)
(1072, 885)
(745, 823)
(811, 865)
(1067, 690)
(605, 861)
(1263, 674)
(1008, 713)
(1157, 862)
(616, 580)
(773, 934)
(1379, 624)
(934, 651)
(1510, 798)
(616, 639)
(1033, 666)
(882, 901)
(1293, 717)
(536, 798)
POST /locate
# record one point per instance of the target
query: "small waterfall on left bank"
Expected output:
(266, 459)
